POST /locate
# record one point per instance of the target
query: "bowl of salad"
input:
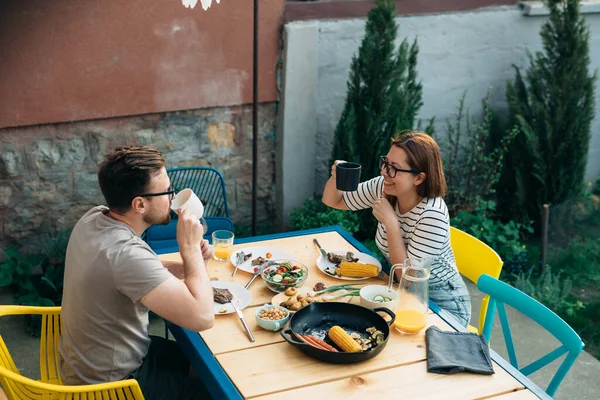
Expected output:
(284, 274)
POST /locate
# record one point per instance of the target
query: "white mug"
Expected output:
(187, 200)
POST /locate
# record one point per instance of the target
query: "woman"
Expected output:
(413, 218)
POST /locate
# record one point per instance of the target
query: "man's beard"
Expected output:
(156, 219)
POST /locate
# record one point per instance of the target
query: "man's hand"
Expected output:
(207, 251)
(189, 231)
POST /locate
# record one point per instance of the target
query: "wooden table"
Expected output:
(234, 368)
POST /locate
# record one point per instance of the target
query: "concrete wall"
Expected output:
(48, 173)
(297, 121)
(458, 51)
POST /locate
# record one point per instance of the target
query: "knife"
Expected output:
(241, 316)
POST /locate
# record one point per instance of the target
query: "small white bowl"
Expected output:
(367, 293)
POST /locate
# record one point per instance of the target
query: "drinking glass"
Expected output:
(223, 244)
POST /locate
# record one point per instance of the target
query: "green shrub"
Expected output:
(552, 290)
(504, 238)
(262, 228)
(553, 104)
(36, 279)
(580, 260)
(472, 165)
(315, 214)
(596, 187)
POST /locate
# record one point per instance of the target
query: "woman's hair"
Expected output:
(125, 173)
(424, 156)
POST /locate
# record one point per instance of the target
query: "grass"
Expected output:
(571, 281)
(581, 263)
(578, 259)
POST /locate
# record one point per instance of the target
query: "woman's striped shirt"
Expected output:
(425, 228)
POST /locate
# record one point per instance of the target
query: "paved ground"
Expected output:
(531, 342)
(582, 383)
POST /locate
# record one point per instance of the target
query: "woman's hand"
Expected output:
(331, 196)
(333, 167)
(383, 211)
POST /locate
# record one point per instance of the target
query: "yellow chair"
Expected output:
(473, 259)
(50, 386)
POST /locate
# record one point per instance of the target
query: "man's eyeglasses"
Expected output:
(170, 192)
(391, 171)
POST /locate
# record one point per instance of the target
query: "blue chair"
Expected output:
(209, 186)
(207, 183)
(165, 236)
(501, 294)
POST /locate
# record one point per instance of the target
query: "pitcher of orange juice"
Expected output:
(413, 295)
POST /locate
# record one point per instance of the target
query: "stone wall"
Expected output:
(48, 172)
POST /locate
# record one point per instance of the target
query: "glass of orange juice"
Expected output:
(223, 244)
(413, 297)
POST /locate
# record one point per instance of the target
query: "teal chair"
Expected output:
(501, 294)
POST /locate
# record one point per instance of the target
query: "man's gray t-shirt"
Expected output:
(108, 269)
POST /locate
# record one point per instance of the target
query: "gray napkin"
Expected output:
(452, 352)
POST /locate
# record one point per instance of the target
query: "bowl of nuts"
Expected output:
(272, 318)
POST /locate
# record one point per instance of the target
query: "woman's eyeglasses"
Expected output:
(170, 192)
(391, 171)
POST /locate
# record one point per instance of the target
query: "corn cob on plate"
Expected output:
(370, 266)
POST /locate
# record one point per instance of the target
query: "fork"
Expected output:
(323, 252)
(239, 259)
(259, 271)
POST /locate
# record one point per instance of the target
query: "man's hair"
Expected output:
(125, 173)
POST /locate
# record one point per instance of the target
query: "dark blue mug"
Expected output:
(347, 176)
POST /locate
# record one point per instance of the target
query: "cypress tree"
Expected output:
(383, 97)
(553, 105)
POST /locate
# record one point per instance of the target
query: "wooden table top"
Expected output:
(272, 368)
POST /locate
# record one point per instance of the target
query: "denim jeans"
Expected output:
(452, 295)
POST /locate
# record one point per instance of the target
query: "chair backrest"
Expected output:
(20, 387)
(165, 236)
(49, 336)
(50, 385)
(474, 258)
(501, 294)
(207, 183)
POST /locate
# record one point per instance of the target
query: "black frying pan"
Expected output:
(316, 319)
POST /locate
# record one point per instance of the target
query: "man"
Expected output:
(112, 279)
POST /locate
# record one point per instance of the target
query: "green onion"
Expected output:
(346, 286)
(339, 296)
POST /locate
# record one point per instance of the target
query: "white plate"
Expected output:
(276, 254)
(241, 294)
(323, 263)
